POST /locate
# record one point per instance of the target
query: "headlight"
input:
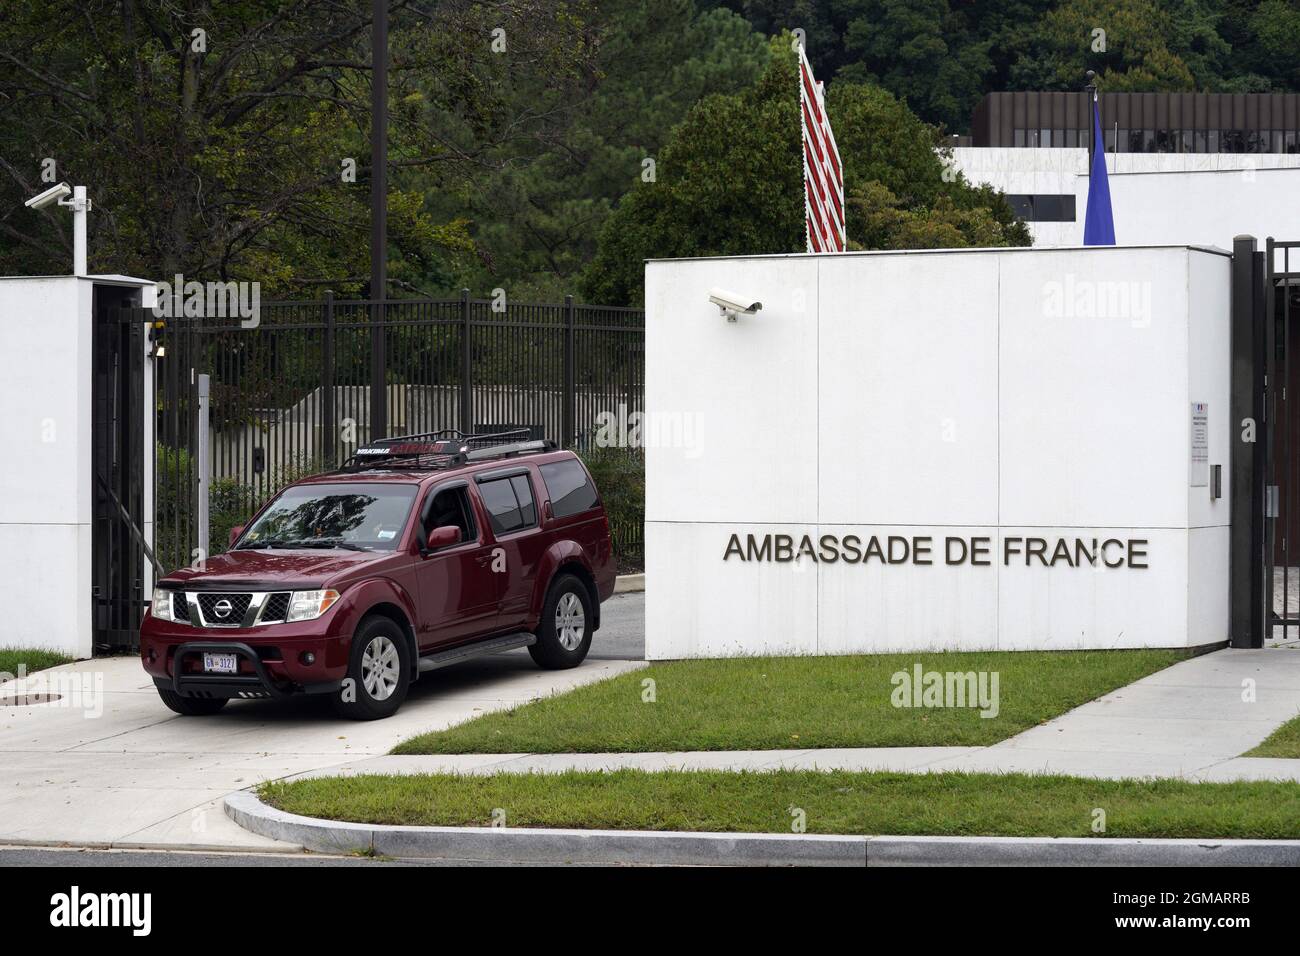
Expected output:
(309, 605)
(161, 607)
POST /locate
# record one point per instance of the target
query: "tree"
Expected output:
(539, 206)
(1131, 54)
(215, 139)
(731, 183)
(922, 52)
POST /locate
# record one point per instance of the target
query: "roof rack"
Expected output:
(447, 448)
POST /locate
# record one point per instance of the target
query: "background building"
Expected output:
(1184, 167)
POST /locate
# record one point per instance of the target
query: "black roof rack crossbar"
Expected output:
(445, 448)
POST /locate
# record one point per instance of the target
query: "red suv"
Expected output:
(422, 551)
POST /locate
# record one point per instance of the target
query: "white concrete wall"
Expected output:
(45, 491)
(966, 393)
(1157, 198)
(46, 482)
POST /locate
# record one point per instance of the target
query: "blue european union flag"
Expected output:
(1098, 223)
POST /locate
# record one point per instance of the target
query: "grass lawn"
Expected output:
(835, 802)
(31, 660)
(1283, 742)
(795, 702)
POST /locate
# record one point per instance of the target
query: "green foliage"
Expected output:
(942, 56)
(731, 183)
(769, 703)
(227, 159)
(538, 212)
(518, 169)
(1137, 53)
(619, 474)
(832, 801)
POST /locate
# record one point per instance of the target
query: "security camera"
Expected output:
(49, 197)
(731, 304)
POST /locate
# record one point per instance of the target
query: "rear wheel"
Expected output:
(379, 672)
(191, 706)
(564, 634)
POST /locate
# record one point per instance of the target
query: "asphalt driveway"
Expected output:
(109, 765)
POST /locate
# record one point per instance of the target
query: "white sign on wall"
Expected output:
(1200, 460)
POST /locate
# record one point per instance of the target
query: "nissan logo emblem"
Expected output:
(222, 608)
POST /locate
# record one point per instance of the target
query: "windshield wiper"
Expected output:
(327, 543)
(268, 543)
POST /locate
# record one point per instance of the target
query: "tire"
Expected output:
(379, 672)
(191, 706)
(564, 633)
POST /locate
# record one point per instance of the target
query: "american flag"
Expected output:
(823, 177)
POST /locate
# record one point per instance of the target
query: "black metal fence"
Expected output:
(291, 393)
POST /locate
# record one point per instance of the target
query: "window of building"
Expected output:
(1043, 207)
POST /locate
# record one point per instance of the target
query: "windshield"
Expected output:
(352, 516)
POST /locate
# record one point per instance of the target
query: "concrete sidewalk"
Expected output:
(1188, 721)
(140, 776)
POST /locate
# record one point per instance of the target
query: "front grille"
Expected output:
(276, 607)
(180, 607)
(234, 615)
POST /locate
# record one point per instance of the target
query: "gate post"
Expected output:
(570, 378)
(202, 469)
(466, 365)
(329, 434)
(1248, 591)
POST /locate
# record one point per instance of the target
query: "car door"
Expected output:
(456, 587)
(510, 501)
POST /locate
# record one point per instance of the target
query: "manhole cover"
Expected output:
(26, 700)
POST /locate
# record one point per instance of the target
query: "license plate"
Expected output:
(221, 663)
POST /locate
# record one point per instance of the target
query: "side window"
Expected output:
(451, 507)
(571, 490)
(509, 503)
(524, 492)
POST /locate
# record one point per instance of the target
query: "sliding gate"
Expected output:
(1280, 303)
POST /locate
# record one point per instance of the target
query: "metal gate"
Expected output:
(118, 548)
(1281, 485)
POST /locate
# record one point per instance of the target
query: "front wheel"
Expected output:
(564, 634)
(379, 672)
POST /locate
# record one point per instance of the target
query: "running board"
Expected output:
(507, 642)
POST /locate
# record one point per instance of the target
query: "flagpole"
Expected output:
(1091, 88)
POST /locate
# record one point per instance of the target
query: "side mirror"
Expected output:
(235, 532)
(443, 537)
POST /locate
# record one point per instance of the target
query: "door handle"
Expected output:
(484, 558)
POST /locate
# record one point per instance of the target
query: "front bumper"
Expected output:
(272, 658)
(189, 680)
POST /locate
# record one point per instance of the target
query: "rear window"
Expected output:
(571, 490)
